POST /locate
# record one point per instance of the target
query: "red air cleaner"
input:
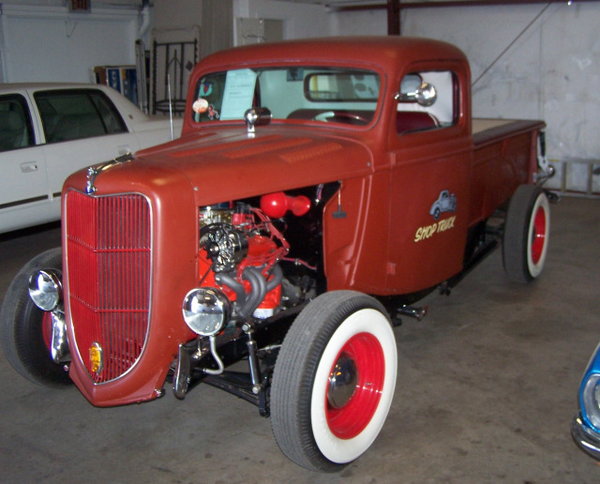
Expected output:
(275, 205)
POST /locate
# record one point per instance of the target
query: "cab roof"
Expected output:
(385, 51)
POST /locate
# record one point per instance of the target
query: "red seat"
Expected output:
(407, 121)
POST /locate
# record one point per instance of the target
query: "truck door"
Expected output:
(429, 179)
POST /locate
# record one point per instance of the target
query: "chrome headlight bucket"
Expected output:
(45, 289)
(206, 310)
(590, 399)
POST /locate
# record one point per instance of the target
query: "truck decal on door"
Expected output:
(429, 231)
(446, 202)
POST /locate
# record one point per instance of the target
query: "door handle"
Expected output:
(29, 166)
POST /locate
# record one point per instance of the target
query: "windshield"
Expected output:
(327, 94)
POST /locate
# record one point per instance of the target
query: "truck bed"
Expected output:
(483, 124)
(487, 130)
(505, 156)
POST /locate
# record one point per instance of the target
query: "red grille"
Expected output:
(108, 269)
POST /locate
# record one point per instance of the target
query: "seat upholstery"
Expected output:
(76, 126)
(407, 121)
(13, 131)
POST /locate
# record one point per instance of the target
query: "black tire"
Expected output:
(21, 327)
(526, 234)
(318, 425)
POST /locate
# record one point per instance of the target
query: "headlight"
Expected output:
(45, 289)
(591, 399)
(206, 310)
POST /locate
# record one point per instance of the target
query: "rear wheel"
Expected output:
(334, 380)
(25, 329)
(526, 234)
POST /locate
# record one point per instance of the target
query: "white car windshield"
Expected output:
(327, 94)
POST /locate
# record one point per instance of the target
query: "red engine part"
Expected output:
(275, 205)
(262, 251)
(268, 305)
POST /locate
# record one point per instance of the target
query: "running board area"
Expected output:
(477, 258)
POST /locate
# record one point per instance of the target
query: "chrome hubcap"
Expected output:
(342, 382)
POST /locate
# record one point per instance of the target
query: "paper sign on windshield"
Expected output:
(239, 91)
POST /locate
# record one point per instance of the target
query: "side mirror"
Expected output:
(426, 95)
(414, 90)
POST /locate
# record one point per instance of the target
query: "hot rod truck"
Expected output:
(319, 189)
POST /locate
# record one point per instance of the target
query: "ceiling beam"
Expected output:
(393, 17)
(450, 3)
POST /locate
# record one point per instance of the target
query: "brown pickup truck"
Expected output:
(319, 189)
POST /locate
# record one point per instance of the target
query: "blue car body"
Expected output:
(585, 427)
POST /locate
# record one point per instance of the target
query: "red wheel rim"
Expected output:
(538, 237)
(47, 328)
(349, 420)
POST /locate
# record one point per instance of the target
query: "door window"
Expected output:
(427, 100)
(15, 123)
(76, 114)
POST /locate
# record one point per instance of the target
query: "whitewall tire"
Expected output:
(334, 380)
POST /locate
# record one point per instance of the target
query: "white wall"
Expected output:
(300, 20)
(552, 72)
(169, 14)
(47, 43)
(365, 22)
(41, 41)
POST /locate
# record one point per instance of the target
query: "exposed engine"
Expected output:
(248, 276)
(241, 249)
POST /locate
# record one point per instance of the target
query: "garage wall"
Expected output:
(300, 20)
(73, 43)
(552, 72)
(47, 43)
(168, 14)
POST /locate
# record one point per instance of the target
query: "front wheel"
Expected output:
(334, 380)
(526, 234)
(25, 329)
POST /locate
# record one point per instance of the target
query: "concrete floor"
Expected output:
(486, 391)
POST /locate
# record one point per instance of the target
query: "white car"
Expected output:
(48, 131)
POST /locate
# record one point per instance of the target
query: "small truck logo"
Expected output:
(446, 202)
